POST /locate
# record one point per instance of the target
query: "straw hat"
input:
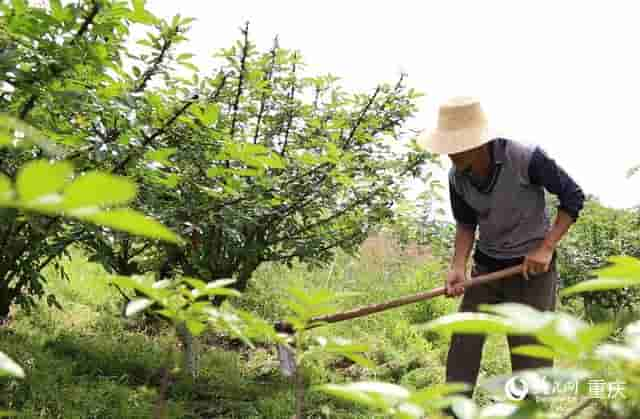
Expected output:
(462, 125)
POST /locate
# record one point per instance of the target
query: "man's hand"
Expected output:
(453, 285)
(538, 260)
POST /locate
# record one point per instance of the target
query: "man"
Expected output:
(497, 187)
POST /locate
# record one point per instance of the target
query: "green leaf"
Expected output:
(196, 327)
(536, 351)
(612, 352)
(15, 132)
(56, 10)
(464, 409)
(345, 393)
(185, 56)
(189, 65)
(604, 284)
(632, 334)
(360, 360)
(154, 99)
(527, 318)
(6, 190)
(230, 322)
(195, 283)
(9, 367)
(136, 306)
(162, 155)
(210, 114)
(142, 285)
(20, 6)
(220, 283)
(175, 21)
(38, 180)
(621, 267)
(5, 136)
(163, 283)
(140, 14)
(213, 172)
(97, 190)
(409, 411)
(227, 292)
(499, 410)
(300, 310)
(245, 172)
(142, 17)
(339, 345)
(212, 288)
(272, 161)
(138, 4)
(312, 298)
(332, 152)
(623, 272)
(168, 313)
(591, 336)
(254, 155)
(207, 114)
(132, 283)
(467, 322)
(346, 349)
(374, 394)
(437, 391)
(309, 158)
(561, 334)
(171, 181)
(133, 222)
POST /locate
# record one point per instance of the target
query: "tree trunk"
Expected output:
(299, 391)
(190, 350)
(245, 273)
(5, 302)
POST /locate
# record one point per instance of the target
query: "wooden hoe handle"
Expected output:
(410, 299)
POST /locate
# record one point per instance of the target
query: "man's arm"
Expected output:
(540, 259)
(560, 228)
(466, 222)
(545, 172)
(465, 237)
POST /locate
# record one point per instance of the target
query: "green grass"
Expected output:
(87, 362)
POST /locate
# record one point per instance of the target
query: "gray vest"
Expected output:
(512, 217)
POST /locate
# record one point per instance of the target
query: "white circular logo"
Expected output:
(516, 388)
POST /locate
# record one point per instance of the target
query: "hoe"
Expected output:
(287, 357)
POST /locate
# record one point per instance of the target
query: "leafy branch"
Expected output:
(57, 70)
(263, 98)
(241, 77)
(290, 108)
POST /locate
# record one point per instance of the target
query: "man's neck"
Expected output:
(481, 167)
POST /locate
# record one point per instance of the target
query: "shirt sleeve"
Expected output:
(544, 171)
(462, 212)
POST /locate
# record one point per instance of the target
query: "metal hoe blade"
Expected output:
(287, 357)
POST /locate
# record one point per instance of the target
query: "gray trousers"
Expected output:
(465, 352)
